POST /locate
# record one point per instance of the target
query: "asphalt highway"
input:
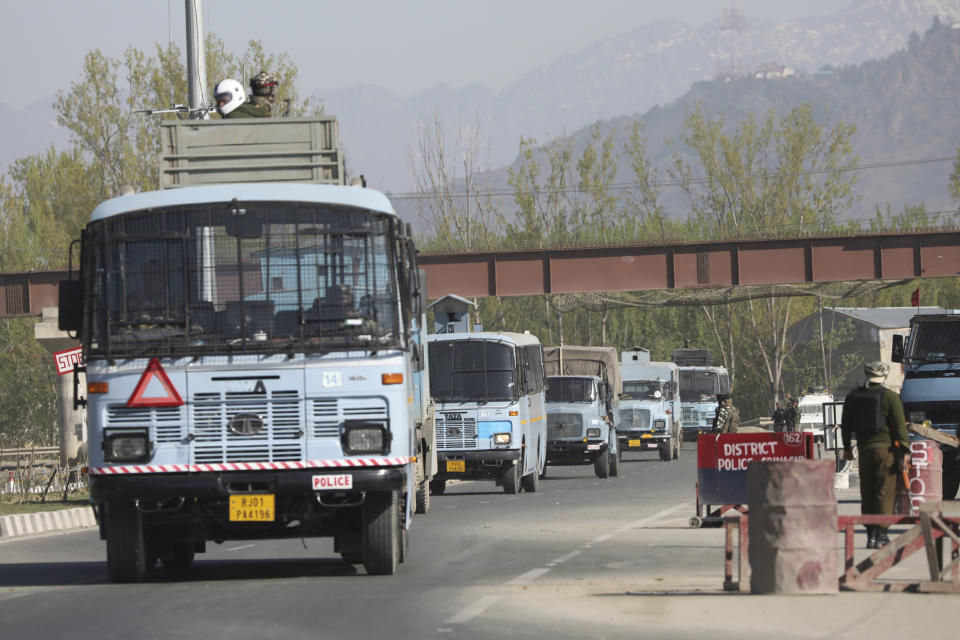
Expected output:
(469, 556)
(580, 558)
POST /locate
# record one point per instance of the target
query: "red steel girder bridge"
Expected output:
(695, 265)
(688, 266)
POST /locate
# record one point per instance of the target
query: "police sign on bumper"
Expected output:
(339, 482)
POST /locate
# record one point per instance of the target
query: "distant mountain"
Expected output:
(653, 64)
(650, 65)
(904, 107)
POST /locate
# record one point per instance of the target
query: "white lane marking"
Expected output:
(564, 558)
(657, 516)
(243, 546)
(15, 595)
(484, 502)
(474, 609)
(602, 538)
(450, 506)
(529, 576)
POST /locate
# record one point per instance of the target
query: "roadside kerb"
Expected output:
(39, 522)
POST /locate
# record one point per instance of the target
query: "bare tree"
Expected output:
(453, 187)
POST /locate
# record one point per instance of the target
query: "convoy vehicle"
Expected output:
(650, 405)
(252, 335)
(931, 381)
(583, 391)
(490, 414)
(810, 410)
(700, 382)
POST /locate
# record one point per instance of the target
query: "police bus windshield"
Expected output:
(698, 386)
(570, 390)
(642, 390)
(264, 277)
(472, 371)
(934, 341)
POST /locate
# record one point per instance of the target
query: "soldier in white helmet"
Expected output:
(232, 101)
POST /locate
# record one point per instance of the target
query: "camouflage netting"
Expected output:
(720, 295)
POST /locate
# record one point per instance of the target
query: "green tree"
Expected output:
(46, 199)
(772, 175)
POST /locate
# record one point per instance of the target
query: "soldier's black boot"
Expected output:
(881, 539)
(871, 537)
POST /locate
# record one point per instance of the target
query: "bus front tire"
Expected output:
(601, 465)
(423, 490)
(511, 478)
(666, 450)
(126, 548)
(381, 533)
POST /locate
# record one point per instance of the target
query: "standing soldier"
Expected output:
(875, 414)
(779, 415)
(790, 415)
(727, 419)
(263, 86)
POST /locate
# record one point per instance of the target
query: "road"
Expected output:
(581, 558)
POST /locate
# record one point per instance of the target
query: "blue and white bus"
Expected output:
(700, 382)
(490, 412)
(252, 366)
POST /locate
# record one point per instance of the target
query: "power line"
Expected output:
(626, 186)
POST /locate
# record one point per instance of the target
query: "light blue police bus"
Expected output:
(255, 369)
(490, 411)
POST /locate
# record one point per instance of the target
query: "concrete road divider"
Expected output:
(27, 524)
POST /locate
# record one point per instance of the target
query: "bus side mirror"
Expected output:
(896, 354)
(70, 301)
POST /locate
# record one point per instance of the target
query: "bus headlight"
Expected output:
(593, 433)
(126, 445)
(501, 438)
(365, 437)
(659, 425)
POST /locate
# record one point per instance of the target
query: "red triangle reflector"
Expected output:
(172, 399)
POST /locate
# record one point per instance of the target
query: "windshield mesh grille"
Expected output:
(635, 418)
(456, 433)
(564, 425)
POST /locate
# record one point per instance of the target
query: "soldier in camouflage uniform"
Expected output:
(727, 419)
(263, 89)
(875, 414)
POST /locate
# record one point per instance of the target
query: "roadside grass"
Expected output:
(9, 505)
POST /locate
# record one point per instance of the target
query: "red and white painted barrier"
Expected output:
(249, 466)
(926, 477)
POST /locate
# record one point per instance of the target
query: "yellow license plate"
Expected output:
(257, 507)
(635, 443)
(456, 466)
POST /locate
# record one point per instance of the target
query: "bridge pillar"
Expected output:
(72, 422)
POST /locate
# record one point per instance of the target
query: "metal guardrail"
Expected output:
(24, 455)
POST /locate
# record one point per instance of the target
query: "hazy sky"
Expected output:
(404, 45)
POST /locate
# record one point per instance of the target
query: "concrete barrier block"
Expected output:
(792, 527)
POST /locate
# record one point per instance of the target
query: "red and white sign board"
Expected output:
(338, 482)
(153, 380)
(66, 359)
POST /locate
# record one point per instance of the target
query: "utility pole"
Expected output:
(196, 61)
